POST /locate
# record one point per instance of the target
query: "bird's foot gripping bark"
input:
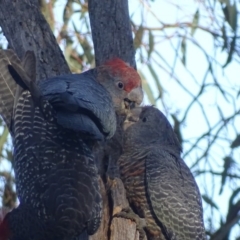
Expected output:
(140, 222)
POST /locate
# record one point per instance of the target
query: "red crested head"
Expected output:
(4, 228)
(122, 82)
(120, 69)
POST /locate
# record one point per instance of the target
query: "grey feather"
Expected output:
(81, 94)
(159, 185)
(174, 195)
(55, 173)
(70, 97)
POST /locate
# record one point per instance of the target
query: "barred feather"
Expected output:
(159, 184)
(55, 173)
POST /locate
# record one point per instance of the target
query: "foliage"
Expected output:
(187, 54)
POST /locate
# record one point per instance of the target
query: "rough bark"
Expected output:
(112, 37)
(111, 30)
(26, 29)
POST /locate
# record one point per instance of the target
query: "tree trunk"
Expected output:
(111, 30)
(26, 29)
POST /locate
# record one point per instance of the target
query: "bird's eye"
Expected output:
(144, 119)
(120, 85)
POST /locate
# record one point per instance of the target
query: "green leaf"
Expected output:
(231, 52)
(138, 37)
(151, 43)
(225, 38)
(68, 11)
(3, 138)
(75, 28)
(195, 22)
(230, 12)
(183, 50)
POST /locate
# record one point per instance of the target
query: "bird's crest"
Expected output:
(125, 71)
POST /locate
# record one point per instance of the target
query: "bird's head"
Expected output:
(122, 82)
(147, 125)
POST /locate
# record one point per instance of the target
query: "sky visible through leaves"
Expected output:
(181, 49)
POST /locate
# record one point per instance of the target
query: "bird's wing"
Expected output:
(79, 123)
(81, 103)
(81, 94)
(174, 196)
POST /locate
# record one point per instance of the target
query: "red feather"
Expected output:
(4, 229)
(127, 73)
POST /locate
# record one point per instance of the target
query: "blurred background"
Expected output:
(187, 53)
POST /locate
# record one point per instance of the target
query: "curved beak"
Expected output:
(132, 117)
(135, 97)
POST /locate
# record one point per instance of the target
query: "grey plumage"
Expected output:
(71, 101)
(79, 93)
(22, 229)
(54, 165)
(55, 173)
(55, 127)
(160, 186)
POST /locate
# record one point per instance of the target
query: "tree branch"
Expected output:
(26, 29)
(111, 30)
